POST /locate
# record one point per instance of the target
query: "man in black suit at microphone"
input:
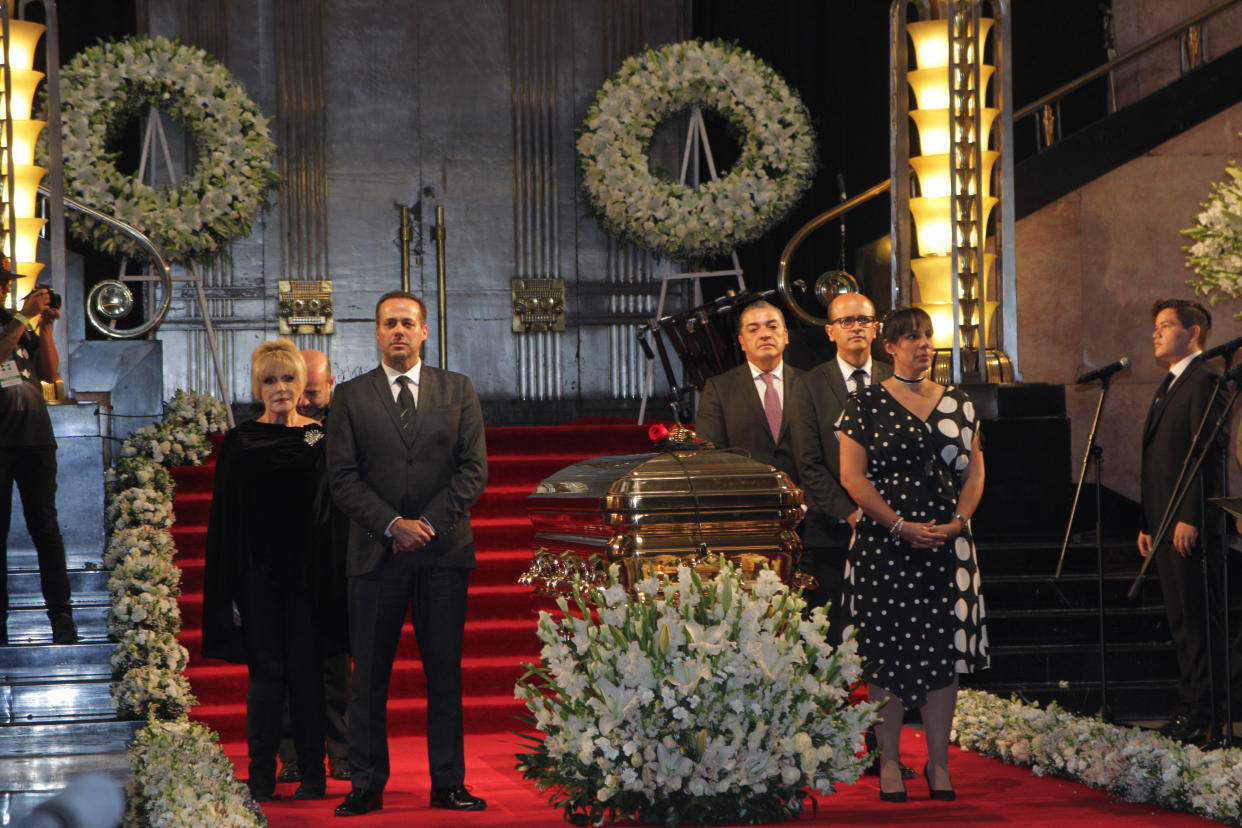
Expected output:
(1192, 548)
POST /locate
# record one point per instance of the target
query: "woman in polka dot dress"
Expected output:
(910, 458)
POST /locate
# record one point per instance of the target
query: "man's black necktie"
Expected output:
(405, 404)
(1163, 389)
(860, 380)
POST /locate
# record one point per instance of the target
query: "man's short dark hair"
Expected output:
(1189, 312)
(401, 294)
(755, 305)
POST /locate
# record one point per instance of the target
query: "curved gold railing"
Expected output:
(93, 312)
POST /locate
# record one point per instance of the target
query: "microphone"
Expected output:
(1105, 372)
(1224, 349)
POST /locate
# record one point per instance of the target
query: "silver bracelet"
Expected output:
(959, 516)
(894, 531)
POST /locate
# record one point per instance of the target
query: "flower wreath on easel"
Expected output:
(674, 220)
(227, 184)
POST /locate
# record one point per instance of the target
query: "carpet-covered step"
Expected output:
(406, 716)
(516, 469)
(480, 676)
(590, 441)
(484, 603)
(193, 508)
(191, 541)
(509, 636)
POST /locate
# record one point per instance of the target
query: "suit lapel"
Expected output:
(832, 373)
(1157, 411)
(789, 380)
(745, 388)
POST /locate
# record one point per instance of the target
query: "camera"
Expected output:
(53, 299)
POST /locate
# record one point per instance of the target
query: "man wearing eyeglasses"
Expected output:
(744, 408)
(830, 520)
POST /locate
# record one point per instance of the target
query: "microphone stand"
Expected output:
(1180, 490)
(1094, 456)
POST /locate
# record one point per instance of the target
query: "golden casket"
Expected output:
(651, 513)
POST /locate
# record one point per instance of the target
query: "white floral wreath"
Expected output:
(229, 178)
(674, 220)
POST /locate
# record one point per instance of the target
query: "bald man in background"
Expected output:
(314, 403)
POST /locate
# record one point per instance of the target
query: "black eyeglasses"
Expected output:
(851, 321)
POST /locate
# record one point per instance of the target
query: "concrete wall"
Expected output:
(471, 106)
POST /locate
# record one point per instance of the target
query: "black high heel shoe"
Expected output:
(941, 794)
(893, 796)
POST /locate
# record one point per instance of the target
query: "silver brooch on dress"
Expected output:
(312, 436)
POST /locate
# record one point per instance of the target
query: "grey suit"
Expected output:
(731, 416)
(816, 451)
(378, 472)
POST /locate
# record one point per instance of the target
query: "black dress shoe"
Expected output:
(310, 790)
(64, 631)
(1184, 729)
(456, 798)
(289, 772)
(340, 770)
(358, 803)
(262, 791)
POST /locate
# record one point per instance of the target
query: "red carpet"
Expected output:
(989, 793)
(500, 635)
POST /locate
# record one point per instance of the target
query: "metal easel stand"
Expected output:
(696, 143)
(154, 135)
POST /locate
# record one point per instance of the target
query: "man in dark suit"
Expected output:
(406, 461)
(831, 514)
(743, 408)
(1193, 548)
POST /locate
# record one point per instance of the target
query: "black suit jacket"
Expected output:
(816, 449)
(1170, 427)
(377, 473)
(731, 416)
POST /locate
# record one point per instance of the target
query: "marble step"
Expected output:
(29, 624)
(30, 662)
(46, 700)
(76, 558)
(80, 738)
(25, 582)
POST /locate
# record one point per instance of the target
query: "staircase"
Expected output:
(56, 716)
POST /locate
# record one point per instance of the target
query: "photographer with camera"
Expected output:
(28, 448)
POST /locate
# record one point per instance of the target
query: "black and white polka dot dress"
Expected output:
(918, 613)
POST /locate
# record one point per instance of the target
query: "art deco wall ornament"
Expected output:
(230, 176)
(1216, 255)
(305, 306)
(674, 220)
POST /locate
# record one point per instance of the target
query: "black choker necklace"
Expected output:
(914, 381)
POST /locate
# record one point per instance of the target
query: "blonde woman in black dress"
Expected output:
(910, 458)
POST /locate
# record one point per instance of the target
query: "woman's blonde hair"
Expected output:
(274, 356)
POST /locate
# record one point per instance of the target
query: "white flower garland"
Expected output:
(209, 413)
(1216, 255)
(227, 183)
(1136, 765)
(673, 220)
(719, 706)
(171, 442)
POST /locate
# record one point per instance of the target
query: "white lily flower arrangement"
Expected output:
(179, 775)
(180, 778)
(138, 539)
(1216, 255)
(139, 507)
(170, 442)
(209, 413)
(228, 180)
(677, 221)
(1134, 764)
(720, 704)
